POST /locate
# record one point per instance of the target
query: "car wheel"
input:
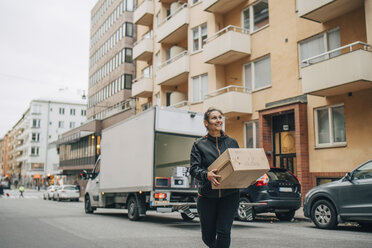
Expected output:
(44, 197)
(88, 206)
(132, 209)
(185, 217)
(323, 214)
(285, 216)
(245, 213)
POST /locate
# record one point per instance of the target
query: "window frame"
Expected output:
(251, 18)
(253, 74)
(256, 135)
(332, 143)
(201, 98)
(199, 37)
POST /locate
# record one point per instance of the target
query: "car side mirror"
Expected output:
(85, 174)
(349, 176)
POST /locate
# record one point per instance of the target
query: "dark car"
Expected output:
(278, 191)
(348, 199)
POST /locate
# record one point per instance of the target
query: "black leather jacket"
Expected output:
(203, 153)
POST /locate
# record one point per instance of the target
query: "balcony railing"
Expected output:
(232, 100)
(143, 14)
(227, 45)
(181, 104)
(174, 27)
(143, 48)
(326, 55)
(339, 71)
(173, 71)
(142, 86)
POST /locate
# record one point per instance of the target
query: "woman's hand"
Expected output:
(212, 176)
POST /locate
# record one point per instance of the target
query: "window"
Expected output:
(128, 29)
(129, 5)
(363, 172)
(252, 135)
(257, 74)
(128, 55)
(147, 72)
(195, 1)
(199, 34)
(72, 124)
(330, 125)
(60, 124)
(36, 109)
(61, 111)
(320, 44)
(72, 111)
(199, 87)
(256, 16)
(36, 123)
(34, 151)
(83, 112)
(127, 81)
(35, 137)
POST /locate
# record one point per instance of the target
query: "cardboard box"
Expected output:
(239, 167)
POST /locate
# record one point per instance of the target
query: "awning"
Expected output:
(72, 138)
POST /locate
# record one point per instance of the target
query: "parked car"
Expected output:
(278, 191)
(48, 193)
(66, 192)
(5, 183)
(347, 199)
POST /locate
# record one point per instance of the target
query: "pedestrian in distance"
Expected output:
(216, 208)
(21, 190)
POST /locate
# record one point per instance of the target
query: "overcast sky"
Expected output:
(44, 46)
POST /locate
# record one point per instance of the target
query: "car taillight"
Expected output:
(160, 195)
(52, 190)
(263, 181)
(63, 191)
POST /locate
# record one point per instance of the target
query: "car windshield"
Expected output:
(70, 187)
(275, 175)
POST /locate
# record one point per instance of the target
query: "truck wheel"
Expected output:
(245, 213)
(323, 214)
(185, 217)
(88, 206)
(285, 216)
(132, 209)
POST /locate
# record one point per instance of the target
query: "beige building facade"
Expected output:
(289, 76)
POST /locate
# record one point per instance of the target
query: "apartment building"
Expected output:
(111, 67)
(291, 76)
(30, 146)
(111, 71)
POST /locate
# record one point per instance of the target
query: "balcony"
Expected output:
(142, 87)
(348, 72)
(325, 10)
(185, 105)
(174, 28)
(143, 49)
(144, 13)
(232, 100)
(220, 6)
(227, 45)
(174, 71)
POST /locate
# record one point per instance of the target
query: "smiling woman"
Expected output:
(216, 208)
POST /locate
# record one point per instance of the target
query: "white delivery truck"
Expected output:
(144, 164)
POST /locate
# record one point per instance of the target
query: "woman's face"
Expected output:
(215, 121)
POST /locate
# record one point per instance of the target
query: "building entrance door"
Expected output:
(284, 142)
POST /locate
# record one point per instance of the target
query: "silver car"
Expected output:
(66, 192)
(48, 193)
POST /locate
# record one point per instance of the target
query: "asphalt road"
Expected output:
(33, 222)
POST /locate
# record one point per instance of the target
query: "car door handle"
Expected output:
(97, 182)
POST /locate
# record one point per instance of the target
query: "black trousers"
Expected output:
(216, 218)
